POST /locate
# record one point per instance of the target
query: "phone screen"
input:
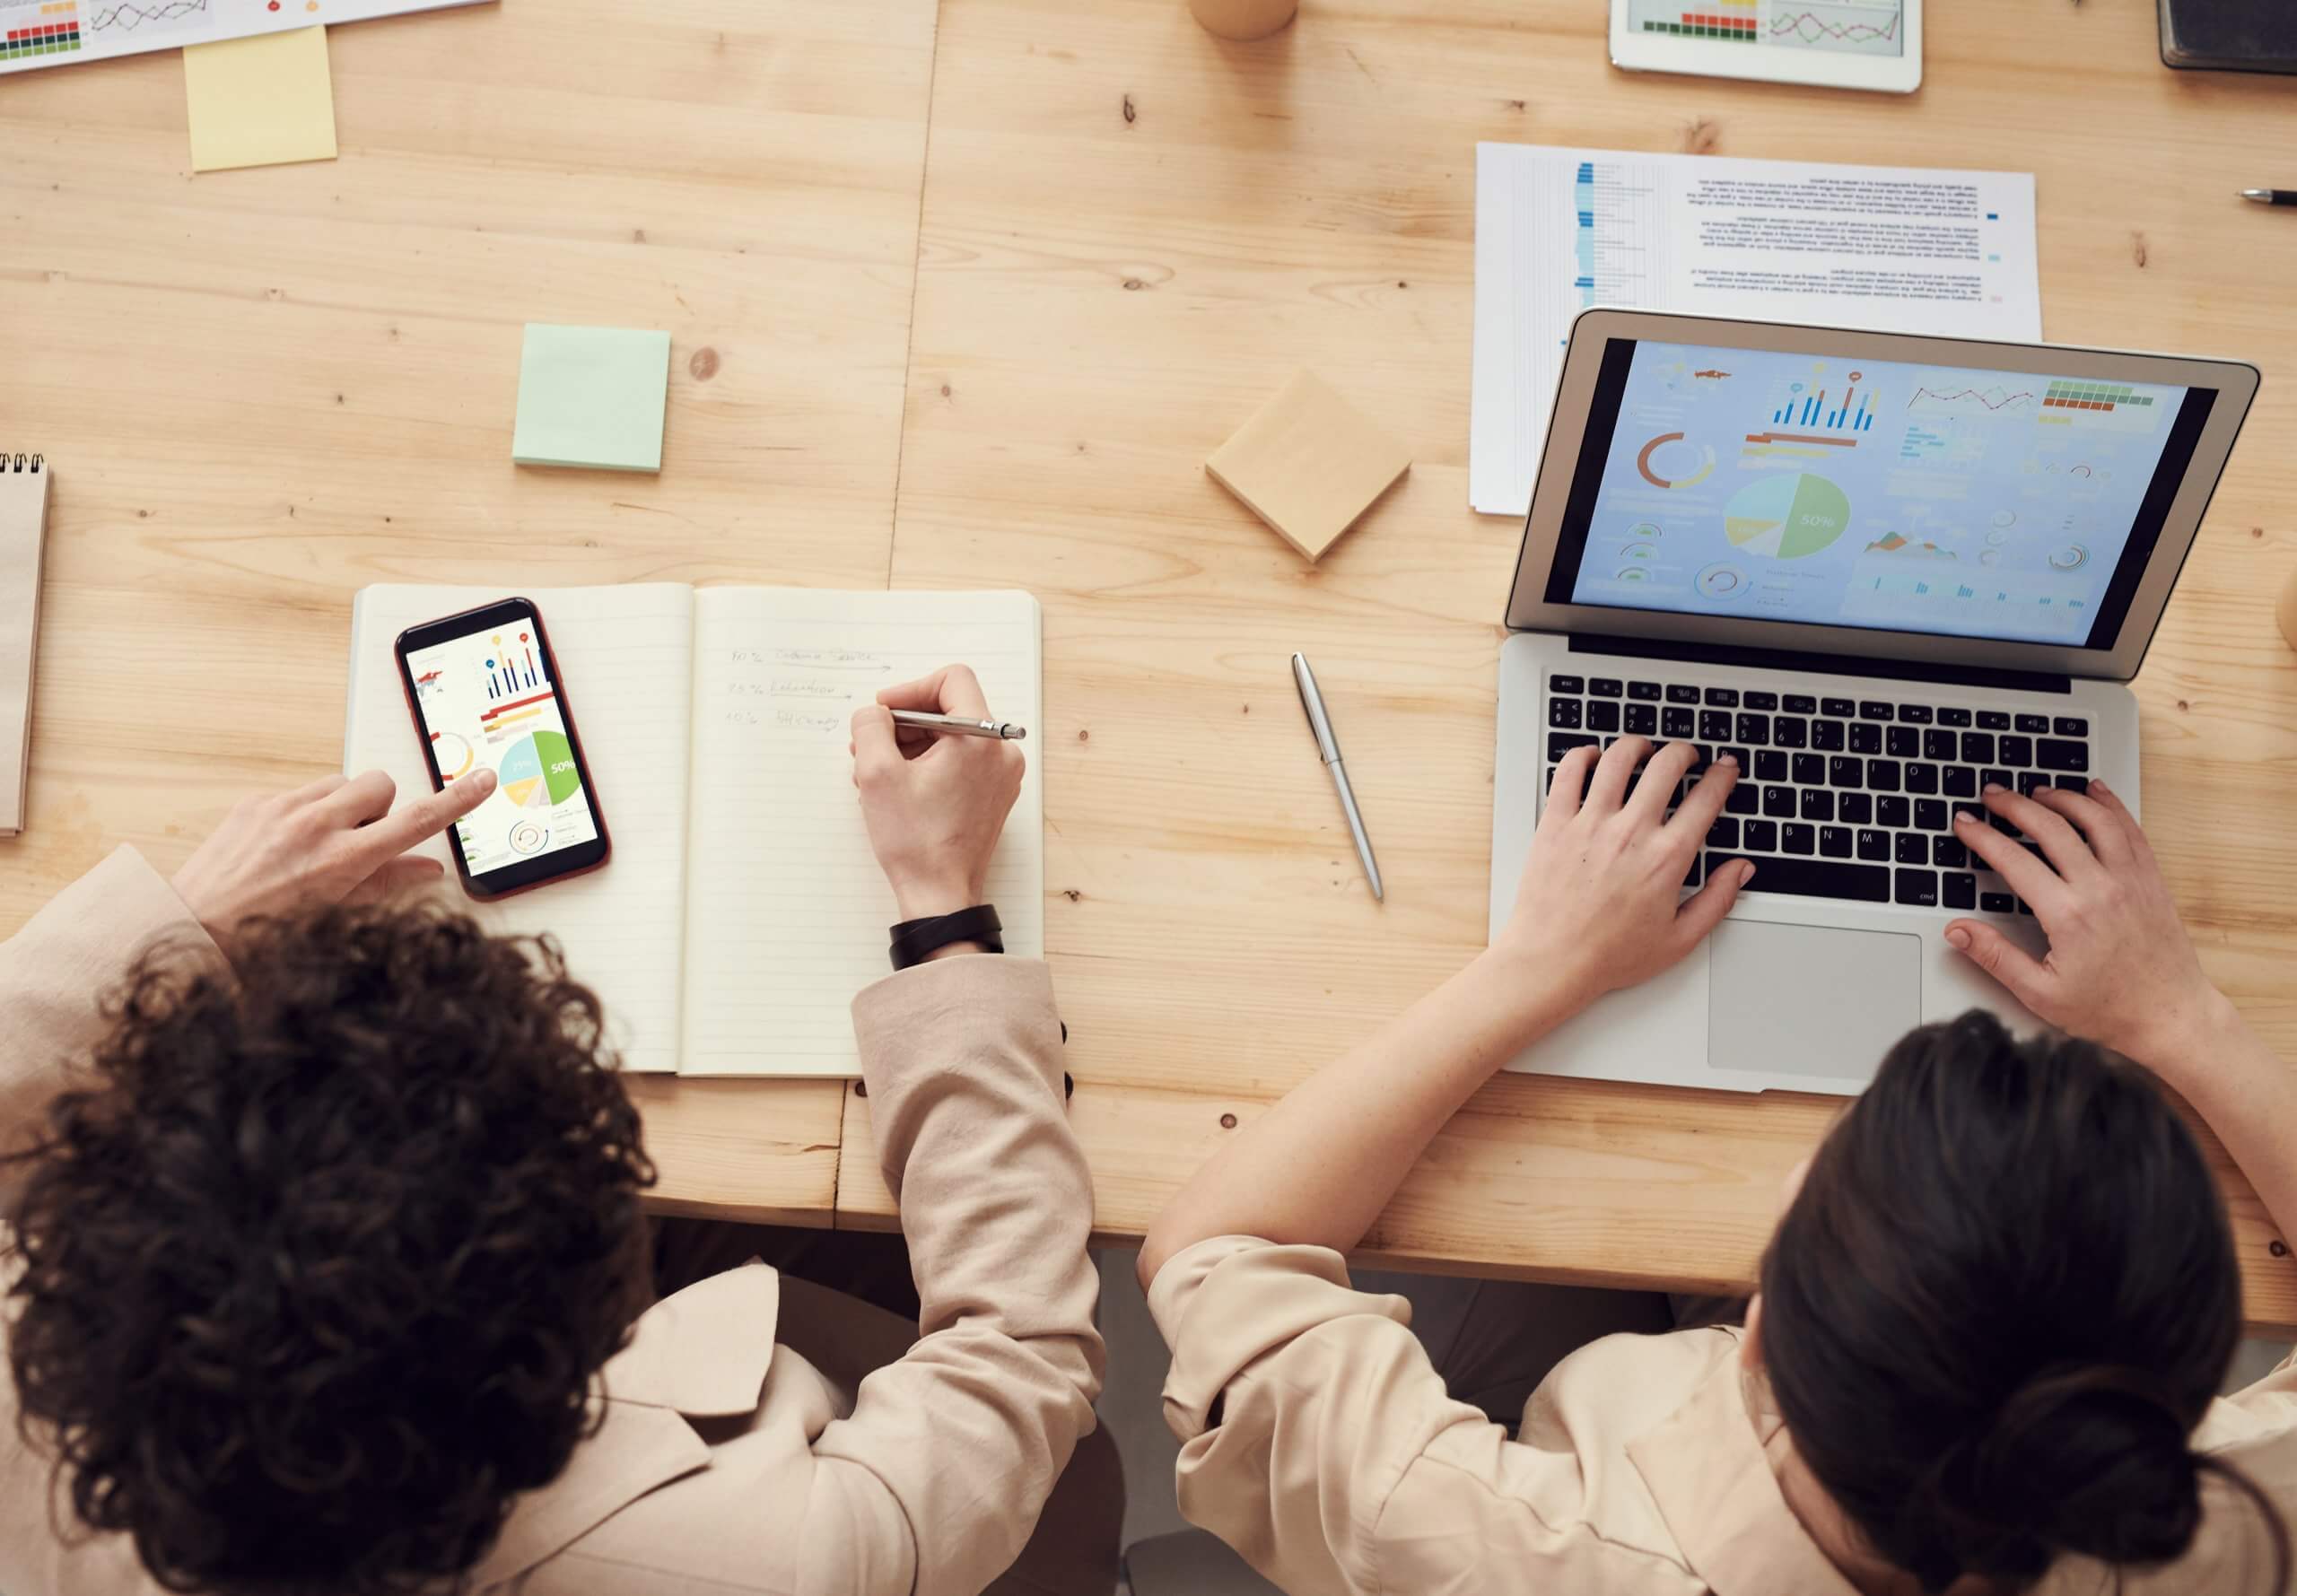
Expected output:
(487, 698)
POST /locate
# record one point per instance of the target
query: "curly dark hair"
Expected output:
(318, 1271)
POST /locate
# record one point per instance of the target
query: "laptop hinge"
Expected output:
(1831, 665)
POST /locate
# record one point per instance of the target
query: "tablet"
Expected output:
(1840, 44)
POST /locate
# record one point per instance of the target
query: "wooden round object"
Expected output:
(2288, 610)
(1243, 19)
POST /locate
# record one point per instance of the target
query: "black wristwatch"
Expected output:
(916, 940)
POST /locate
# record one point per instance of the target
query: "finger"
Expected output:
(417, 823)
(1703, 804)
(2016, 969)
(1570, 781)
(953, 690)
(2140, 846)
(2063, 845)
(1608, 786)
(365, 797)
(2099, 828)
(398, 875)
(1704, 909)
(315, 790)
(875, 747)
(1656, 788)
(2027, 876)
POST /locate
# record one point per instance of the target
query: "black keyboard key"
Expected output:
(1778, 803)
(1870, 709)
(1922, 778)
(1914, 714)
(1940, 745)
(1678, 693)
(1722, 698)
(1996, 777)
(1561, 743)
(1566, 684)
(1788, 731)
(1814, 879)
(1854, 808)
(1892, 811)
(2014, 751)
(1761, 836)
(1834, 841)
(1604, 687)
(1844, 771)
(1642, 720)
(2025, 908)
(1959, 782)
(2071, 726)
(1701, 757)
(2054, 754)
(1817, 804)
(1873, 845)
(2036, 723)
(1770, 765)
(1841, 708)
(1724, 833)
(1865, 737)
(1953, 716)
(1799, 838)
(1745, 799)
(1961, 891)
(1929, 815)
(1826, 735)
(1949, 854)
(1977, 747)
(1762, 700)
(1919, 888)
(1564, 714)
(1883, 775)
(2030, 782)
(1602, 716)
(1993, 721)
(1644, 692)
(1810, 769)
(1754, 729)
(1677, 725)
(1913, 849)
(1801, 704)
(1714, 724)
(1998, 904)
(2080, 784)
(1739, 756)
(1692, 876)
(1903, 742)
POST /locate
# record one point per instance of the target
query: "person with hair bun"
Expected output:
(1991, 1327)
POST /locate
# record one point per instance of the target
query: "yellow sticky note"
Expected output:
(263, 101)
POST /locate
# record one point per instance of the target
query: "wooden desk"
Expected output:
(262, 389)
(1133, 232)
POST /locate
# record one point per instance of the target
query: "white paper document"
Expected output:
(1901, 250)
(40, 33)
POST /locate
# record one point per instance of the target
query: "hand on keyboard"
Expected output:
(2121, 970)
(1601, 906)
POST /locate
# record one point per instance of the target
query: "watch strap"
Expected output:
(915, 940)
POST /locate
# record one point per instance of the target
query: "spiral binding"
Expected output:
(21, 463)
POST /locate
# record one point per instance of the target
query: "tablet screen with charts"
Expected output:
(1846, 44)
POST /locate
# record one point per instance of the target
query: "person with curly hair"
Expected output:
(1991, 1322)
(329, 1276)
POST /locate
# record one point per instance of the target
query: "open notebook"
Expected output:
(742, 908)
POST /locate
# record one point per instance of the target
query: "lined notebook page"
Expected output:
(625, 659)
(787, 910)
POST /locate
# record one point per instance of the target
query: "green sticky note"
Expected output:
(593, 397)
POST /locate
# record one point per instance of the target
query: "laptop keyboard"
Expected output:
(1837, 798)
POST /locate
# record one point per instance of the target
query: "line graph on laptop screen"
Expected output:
(1831, 27)
(1777, 486)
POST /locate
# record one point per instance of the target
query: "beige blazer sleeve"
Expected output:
(1318, 1440)
(969, 1431)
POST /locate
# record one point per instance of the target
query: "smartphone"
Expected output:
(486, 693)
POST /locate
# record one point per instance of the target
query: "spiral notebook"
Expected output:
(742, 908)
(23, 536)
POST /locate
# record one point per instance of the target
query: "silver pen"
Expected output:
(959, 725)
(1328, 750)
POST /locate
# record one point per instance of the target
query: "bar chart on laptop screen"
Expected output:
(1833, 27)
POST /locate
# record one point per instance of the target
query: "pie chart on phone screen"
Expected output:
(538, 771)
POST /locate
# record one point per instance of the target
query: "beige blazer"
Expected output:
(1336, 1462)
(926, 1475)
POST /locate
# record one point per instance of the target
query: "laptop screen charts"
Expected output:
(1776, 486)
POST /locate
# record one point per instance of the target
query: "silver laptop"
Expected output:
(1882, 570)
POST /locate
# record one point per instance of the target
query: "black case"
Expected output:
(2230, 35)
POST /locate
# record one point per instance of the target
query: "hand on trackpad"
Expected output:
(1808, 1000)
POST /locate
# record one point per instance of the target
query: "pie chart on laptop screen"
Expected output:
(1787, 516)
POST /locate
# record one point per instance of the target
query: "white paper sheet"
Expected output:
(36, 33)
(1894, 248)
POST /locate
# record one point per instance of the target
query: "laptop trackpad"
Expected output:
(1810, 1001)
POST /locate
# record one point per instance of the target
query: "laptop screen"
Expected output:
(1764, 485)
